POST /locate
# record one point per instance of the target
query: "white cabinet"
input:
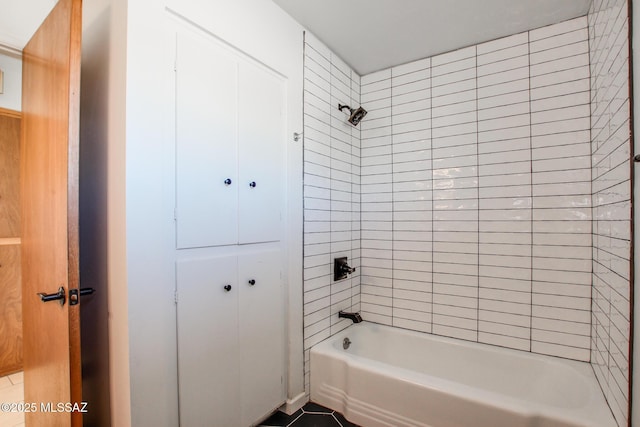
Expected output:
(230, 339)
(229, 145)
(262, 334)
(261, 136)
(208, 342)
(229, 124)
(206, 141)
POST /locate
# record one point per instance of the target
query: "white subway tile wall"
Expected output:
(561, 190)
(486, 196)
(412, 196)
(610, 148)
(377, 200)
(455, 193)
(505, 215)
(476, 182)
(331, 193)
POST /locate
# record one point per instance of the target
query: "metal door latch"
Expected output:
(58, 296)
(74, 294)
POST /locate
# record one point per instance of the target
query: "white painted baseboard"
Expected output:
(292, 405)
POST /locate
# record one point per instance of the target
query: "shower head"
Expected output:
(356, 114)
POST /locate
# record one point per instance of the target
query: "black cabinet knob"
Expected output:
(227, 181)
(252, 184)
(252, 282)
(227, 288)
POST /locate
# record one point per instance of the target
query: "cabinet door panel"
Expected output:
(208, 342)
(261, 335)
(261, 147)
(206, 133)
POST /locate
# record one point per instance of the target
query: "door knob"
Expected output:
(252, 282)
(227, 181)
(227, 288)
(252, 184)
(59, 296)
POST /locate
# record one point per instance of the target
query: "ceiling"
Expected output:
(20, 19)
(371, 35)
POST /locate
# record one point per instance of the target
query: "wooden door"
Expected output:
(49, 193)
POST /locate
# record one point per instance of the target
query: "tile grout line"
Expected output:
(296, 419)
(531, 193)
(334, 417)
(432, 185)
(477, 201)
(331, 142)
(351, 191)
(393, 200)
(304, 196)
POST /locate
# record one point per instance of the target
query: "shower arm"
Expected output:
(342, 107)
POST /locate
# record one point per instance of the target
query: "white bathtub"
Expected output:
(394, 377)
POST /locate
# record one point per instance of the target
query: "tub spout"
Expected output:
(355, 317)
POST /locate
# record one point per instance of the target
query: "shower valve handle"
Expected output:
(347, 269)
(227, 181)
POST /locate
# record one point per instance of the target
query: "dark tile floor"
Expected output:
(311, 415)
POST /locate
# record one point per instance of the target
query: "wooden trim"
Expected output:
(8, 241)
(14, 369)
(10, 50)
(73, 187)
(10, 310)
(10, 113)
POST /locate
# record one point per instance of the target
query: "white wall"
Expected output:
(102, 200)
(11, 64)
(263, 31)
(150, 267)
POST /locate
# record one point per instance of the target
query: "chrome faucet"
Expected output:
(355, 317)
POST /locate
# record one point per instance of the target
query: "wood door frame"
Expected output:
(10, 113)
(73, 200)
(10, 282)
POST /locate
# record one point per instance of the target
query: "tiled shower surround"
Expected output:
(476, 193)
(331, 193)
(494, 195)
(609, 50)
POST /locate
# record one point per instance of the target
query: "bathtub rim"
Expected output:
(593, 408)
